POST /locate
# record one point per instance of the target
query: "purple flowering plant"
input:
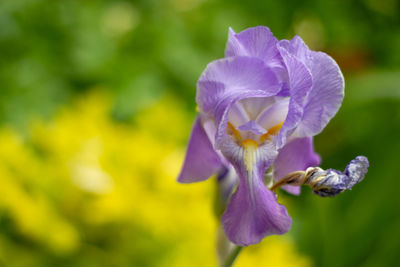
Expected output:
(259, 108)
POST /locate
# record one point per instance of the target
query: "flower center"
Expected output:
(257, 119)
(248, 138)
(249, 143)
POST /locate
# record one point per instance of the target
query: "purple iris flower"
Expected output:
(259, 107)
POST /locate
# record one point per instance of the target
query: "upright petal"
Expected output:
(326, 95)
(225, 78)
(274, 114)
(254, 42)
(254, 106)
(238, 114)
(297, 155)
(297, 48)
(327, 92)
(226, 81)
(300, 83)
(201, 160)
(253, 211)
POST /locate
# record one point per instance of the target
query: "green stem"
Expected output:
(230, 260)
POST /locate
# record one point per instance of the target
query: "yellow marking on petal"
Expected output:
(249, 156)
(275, 129)
(249, 143)
(271, 132)
(232, 130)
(264, 137)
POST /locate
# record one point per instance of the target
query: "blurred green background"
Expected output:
(96, 105)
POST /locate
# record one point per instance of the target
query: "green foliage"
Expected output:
(360, 227)
(53, 50)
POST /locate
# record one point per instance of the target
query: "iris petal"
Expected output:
(274, 114)
(297, 155)
(253, 127)
(201, 159)
(229, 77)
(256, 42)
(253, 211)
(247, 221)
(254, 106)
(327, 92)
(269, 93)
(325, 97)
(238, 115)
(300, 83)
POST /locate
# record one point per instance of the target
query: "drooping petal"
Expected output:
(253, 211)
(227, 180)
(201, 160)
(211, 130)
(228, 77)
(247, 221)
(297, 155)
(327, 91)
(300, 83)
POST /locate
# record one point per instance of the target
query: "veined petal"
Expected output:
(297, 48)
(201, 160)
(228, 77)
(258, 42)
(247, 221)
(238, 115)
(327, 92)
(300, 83)
(274, 114)
(255, 42)
(297, 155)
(325, 97)
(254, 106)
(253, 211)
